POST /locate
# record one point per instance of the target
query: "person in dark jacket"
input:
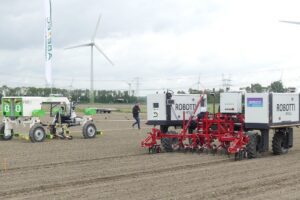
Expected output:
(136, 115)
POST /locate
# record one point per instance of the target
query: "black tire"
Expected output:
(2, 136)
(251, 147)
(89, 130)
(164, 128)
(167, 143)
(279, 143)
(192, 126)
(214, 127)
(37, 133)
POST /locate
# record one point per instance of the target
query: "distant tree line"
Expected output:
(115, 96)
(276, 86)
(101, 96)
(212, 95)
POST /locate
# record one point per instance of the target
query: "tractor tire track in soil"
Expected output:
(114, 166)
(50, 187)
(49, 165)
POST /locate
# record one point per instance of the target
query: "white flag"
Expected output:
(48, 42)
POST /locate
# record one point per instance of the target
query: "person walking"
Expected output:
(136, 115)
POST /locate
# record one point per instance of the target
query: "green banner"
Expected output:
(12, 107)
(6, 107)
(18, 111)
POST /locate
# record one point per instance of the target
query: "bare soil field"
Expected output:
(114, 166)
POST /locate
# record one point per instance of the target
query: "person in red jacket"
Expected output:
(136, 115)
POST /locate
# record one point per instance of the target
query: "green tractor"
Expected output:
(29, 111)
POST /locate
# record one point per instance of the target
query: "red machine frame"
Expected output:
(213, 132)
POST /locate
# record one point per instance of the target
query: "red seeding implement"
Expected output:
(212, 133)
(242, 131)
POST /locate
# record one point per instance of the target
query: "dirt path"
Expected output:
(113, 166)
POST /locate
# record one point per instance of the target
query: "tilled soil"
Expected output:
(114, 166)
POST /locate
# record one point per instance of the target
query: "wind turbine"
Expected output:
(92, 44)
(290, 22)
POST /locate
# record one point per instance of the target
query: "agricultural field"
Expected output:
(114, 166)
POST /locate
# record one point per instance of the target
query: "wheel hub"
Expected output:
(91, 131)
(39, 134)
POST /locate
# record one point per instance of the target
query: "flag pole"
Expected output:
(48, 43)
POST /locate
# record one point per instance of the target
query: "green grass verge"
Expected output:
(127, 108)
(123, 108)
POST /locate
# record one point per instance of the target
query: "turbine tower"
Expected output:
(92, 44)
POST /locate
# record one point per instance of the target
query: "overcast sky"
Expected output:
(165, 43)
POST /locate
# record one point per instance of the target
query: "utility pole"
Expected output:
(137, 93)
(129, 89)
(226, 82)
(198, 83)
(281, 75)
(71, 88)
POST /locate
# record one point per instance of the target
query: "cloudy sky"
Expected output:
(159, 43)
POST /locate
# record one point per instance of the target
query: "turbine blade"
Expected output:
(290, 22)
(96, 29)
(77, 46)
(98, 48)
